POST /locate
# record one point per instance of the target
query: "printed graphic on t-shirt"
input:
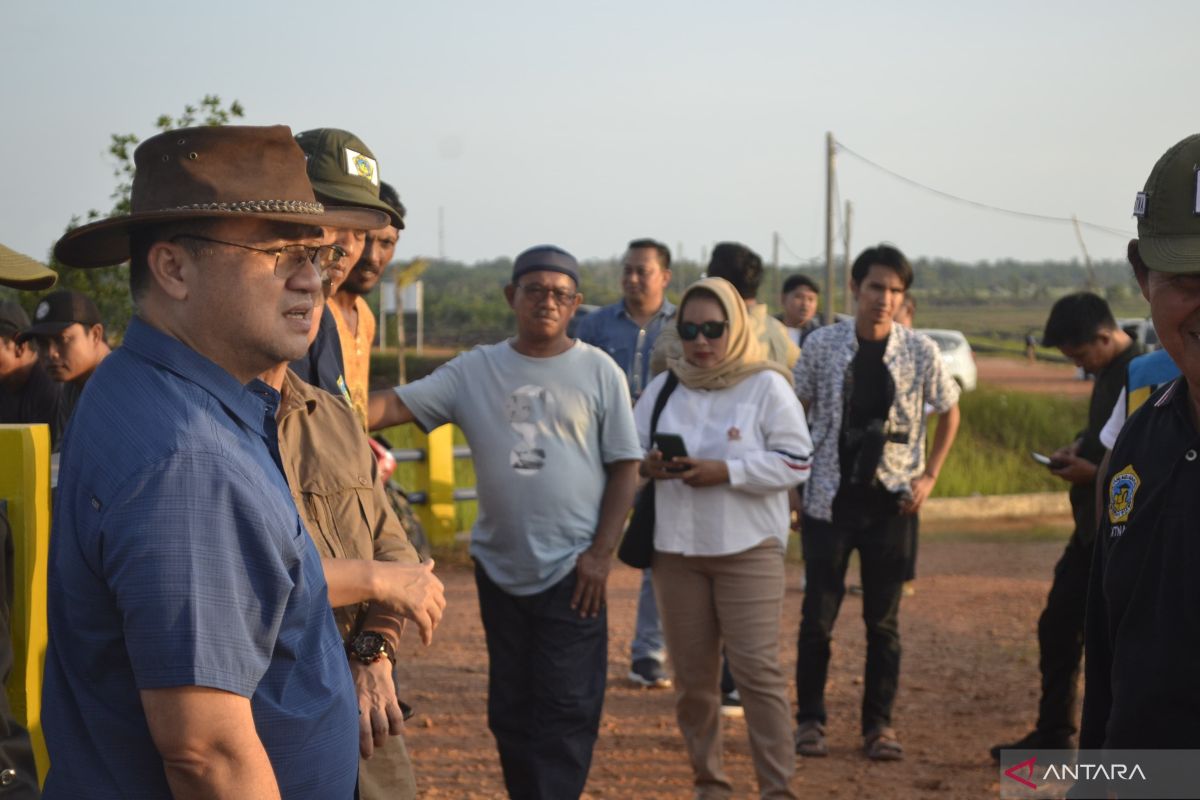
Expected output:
(527, 409)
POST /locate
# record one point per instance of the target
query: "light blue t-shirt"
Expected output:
(540, 431)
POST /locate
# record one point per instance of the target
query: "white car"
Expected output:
(956, 356)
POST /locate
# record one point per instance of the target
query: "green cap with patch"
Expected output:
(343, 170)
(1168, 210)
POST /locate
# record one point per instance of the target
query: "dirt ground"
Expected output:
(1041, 377)
(969, 680)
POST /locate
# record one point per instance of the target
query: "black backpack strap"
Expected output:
(661, 400)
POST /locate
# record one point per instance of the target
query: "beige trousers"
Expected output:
(735, 600)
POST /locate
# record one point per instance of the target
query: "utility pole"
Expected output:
(1087, 260)
(829, 151)
(846, 264)
(775, 250)
(441, 234)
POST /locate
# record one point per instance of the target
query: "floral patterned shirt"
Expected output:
(822, 376)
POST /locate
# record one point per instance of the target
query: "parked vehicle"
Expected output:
(957, 356)
(1141, 331)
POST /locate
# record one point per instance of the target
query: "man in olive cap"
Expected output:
(192, 649)
(343, 172)
(1142, 634)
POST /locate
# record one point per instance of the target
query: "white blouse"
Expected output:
(758, 428)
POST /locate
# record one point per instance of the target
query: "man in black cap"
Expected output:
(27, 393)
(18, 771)
(70, 340)
(556, 455)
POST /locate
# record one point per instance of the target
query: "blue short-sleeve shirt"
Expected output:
(178, 558)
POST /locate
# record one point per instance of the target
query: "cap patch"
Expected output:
(362, 166)
(41, 311)
(1139, 205)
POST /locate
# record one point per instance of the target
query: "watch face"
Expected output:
(369, 647)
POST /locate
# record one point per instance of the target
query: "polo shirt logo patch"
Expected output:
(1121, 492)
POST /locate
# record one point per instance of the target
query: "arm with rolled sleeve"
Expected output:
(784, 462)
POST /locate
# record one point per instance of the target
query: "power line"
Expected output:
(986, 206)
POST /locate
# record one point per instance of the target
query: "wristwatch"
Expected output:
(369, 646)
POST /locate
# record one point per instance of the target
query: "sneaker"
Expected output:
(810, 740)
(882, 744)
(649, 672)
(731, 704)
(1035, 740)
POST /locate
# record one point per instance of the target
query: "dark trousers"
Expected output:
(882, 543)
(546, 676)
(1060, 639)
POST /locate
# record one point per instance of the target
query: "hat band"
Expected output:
(257, 206)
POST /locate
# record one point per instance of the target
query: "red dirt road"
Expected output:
(969, 679)
(1041, 377)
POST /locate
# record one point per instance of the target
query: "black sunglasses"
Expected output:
(711, 330)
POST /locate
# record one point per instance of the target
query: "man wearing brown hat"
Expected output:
(70, 340)
(1142, 634)
(192, 647)
(343, 172)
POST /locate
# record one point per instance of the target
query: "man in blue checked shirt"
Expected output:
(193, 652)
(627, 331)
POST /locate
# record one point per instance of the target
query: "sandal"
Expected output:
(881, 744)
(810, 740)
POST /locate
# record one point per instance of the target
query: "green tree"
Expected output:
(109, 286)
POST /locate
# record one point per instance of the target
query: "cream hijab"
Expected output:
(744, 356)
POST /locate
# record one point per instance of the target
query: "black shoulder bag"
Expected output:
(637, 545)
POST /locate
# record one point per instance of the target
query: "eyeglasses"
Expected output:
(688, 331)
(289, 259)
(537, 293)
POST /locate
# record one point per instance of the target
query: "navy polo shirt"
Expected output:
(1143, 610)
(178, 559)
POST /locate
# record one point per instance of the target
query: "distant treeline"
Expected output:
(465, 304)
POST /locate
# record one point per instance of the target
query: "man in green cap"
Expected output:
(344, 173)
(1142, 633)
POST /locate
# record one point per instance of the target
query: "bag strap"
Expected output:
(661, 400)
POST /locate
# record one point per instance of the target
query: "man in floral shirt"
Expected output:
(865, 384)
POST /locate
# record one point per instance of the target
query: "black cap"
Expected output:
(546, 257)
(13, 319)
(60, 310)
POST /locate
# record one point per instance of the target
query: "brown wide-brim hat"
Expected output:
(211, 172)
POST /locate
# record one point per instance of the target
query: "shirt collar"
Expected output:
(297, 395)
(243, 402)
(664, 311)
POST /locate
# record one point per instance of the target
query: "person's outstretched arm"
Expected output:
(385, 409)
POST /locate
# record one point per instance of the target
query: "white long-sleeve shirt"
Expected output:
(757, 427)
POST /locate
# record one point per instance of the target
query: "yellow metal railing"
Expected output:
(25, 486)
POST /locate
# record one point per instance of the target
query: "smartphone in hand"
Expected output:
(1046, 461)
(671, 446)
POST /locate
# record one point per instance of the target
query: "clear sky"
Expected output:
(587, 124)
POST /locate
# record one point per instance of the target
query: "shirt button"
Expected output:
(1190, 455)
(7, 777)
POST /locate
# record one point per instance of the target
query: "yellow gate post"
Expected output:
(25, 484)
(437, 477)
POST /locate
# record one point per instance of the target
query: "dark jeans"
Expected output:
(546, 675)
(1060, 639)
(882, 543)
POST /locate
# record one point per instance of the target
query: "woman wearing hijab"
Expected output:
(721, 525)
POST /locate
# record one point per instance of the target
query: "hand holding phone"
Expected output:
(671, 446)
(1046, 461)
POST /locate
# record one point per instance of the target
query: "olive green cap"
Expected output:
(22, 272)
(1168, 210)
(343, 170)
